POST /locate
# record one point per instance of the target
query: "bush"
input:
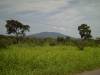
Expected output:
(53, 43)
(3, 43)
(61, 40)
(80, 44)
(97, 41)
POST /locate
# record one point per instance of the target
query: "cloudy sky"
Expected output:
(62, 16)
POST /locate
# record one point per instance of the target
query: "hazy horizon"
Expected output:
(63, 16)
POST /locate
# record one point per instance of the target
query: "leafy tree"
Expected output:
(24, 29)
(84, 31)
(17, 28)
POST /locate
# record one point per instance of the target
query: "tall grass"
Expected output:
(26, 59)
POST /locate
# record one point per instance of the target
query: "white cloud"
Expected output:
(65, 16)
(32, 5)
(53, 15)
(62, 29)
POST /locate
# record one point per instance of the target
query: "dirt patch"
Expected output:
(95, 72)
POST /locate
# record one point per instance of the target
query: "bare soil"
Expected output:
(95, 72)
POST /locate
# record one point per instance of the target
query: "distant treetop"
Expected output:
(84, 31)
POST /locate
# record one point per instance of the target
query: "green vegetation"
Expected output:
(20, 55)
(27, 59)
(17, 28)
(84, 31)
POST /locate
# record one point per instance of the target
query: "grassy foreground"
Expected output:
(46, 60)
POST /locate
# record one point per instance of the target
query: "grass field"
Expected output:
(47, 60)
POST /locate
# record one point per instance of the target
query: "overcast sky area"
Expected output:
(62, 16)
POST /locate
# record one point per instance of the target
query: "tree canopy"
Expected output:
(16, 27)
(84, 31)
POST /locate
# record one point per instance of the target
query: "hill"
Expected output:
(48, 34)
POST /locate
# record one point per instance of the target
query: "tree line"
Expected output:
(19, 30)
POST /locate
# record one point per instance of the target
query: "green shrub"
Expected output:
(80, 44)
(3, 43)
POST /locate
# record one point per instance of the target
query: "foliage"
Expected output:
(84, 31)
(6, 41)
(60, 40)
(97, 40)
(9, 40)
(80, 44)
(24, 59)
(16, 27)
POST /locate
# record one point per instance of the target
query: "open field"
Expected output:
(47, 60)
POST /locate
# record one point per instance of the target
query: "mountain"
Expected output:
(48, 34)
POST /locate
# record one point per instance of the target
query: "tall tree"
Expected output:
(16, 27)
(84, 31)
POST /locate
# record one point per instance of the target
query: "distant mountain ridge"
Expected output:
(48, 34)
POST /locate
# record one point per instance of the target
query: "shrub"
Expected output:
(3, 43)
(53, 43)
(80, 44)
(60, 40)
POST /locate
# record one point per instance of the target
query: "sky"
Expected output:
(62, 16)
